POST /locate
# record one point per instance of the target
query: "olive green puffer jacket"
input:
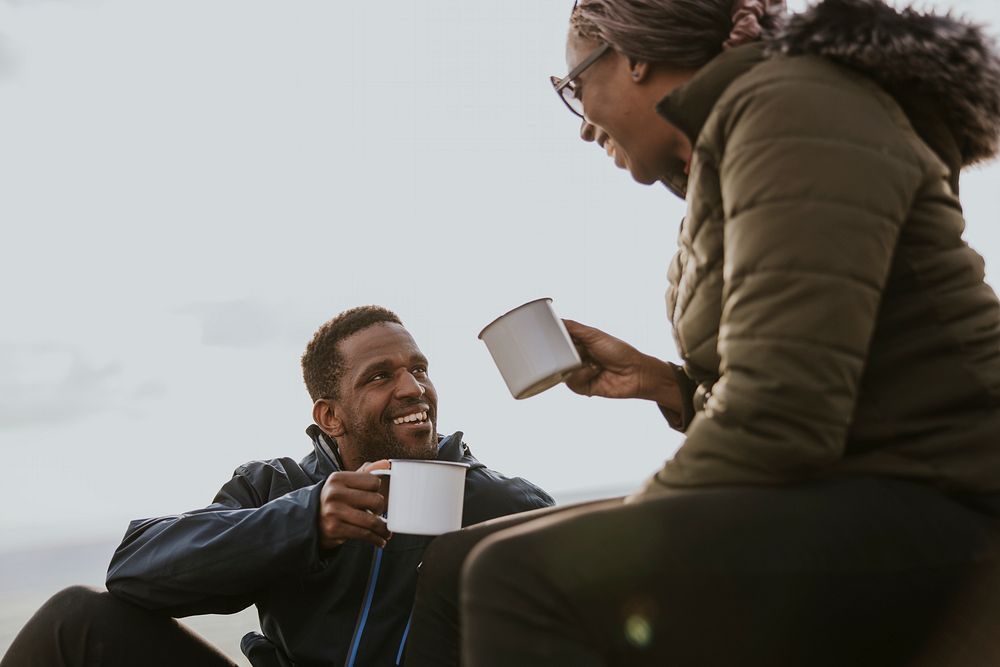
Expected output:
(830, 317)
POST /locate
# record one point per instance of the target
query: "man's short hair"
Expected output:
(322, 363)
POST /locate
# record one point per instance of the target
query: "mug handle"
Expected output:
(381, 473)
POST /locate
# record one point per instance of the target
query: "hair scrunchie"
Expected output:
(746, 20)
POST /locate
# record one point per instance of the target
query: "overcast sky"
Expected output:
(189, 188)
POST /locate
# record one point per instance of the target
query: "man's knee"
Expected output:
(74, 602)
(63, 621)
(78, 607)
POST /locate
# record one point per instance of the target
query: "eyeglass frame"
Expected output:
(559, 84)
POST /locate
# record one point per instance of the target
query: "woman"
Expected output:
(836, 499)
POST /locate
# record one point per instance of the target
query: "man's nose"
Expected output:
(587, 131)
(409, 387)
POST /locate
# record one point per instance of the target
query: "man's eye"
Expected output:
(378, 376)
(420, 370)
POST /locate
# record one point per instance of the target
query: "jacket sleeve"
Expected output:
(494, 495)
(214, 559)
(679, 421)
(816, 181)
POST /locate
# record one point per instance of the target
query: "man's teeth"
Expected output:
(415, 417)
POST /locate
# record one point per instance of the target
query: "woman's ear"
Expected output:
(638, 69)
(327, 417)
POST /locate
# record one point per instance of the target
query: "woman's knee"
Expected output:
(495, 564)
(442, 560)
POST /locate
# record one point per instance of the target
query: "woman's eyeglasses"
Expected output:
(566, 87)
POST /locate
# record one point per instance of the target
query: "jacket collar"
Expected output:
(688, 107)
(450, 448)
(325, 450)
(943, 70)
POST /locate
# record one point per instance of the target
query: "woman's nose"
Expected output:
(587, 131)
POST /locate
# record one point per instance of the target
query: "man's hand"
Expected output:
(614, 369)
(351, 506)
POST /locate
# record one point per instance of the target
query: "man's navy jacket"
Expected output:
(258, 543)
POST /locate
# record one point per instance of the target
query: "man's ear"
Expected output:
(327, 416)
(638, 69)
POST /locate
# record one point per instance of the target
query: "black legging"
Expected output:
(843, 572)
(84, 627)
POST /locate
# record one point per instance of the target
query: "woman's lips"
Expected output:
(611, 148)
(605, 141)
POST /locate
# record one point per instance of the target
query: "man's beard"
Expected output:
(376, 441)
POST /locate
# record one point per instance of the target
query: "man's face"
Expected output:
(387, 402)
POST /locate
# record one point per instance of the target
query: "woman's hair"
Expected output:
(682, 33)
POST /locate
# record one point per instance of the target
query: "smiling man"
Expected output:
(303, 541)
(388, 408)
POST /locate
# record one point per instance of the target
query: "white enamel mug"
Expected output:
(425, 497)
(531, 347)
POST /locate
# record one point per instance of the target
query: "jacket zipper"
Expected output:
(359, 628)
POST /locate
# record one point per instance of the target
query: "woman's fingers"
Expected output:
(585, 338)
(582, 332)
(580, 380)
(603, 349)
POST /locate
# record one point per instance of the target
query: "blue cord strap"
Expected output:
(369, 594)
(402, 642)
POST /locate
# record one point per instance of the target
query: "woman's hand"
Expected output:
(614, 369)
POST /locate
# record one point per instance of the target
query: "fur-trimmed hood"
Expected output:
(944, 60)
